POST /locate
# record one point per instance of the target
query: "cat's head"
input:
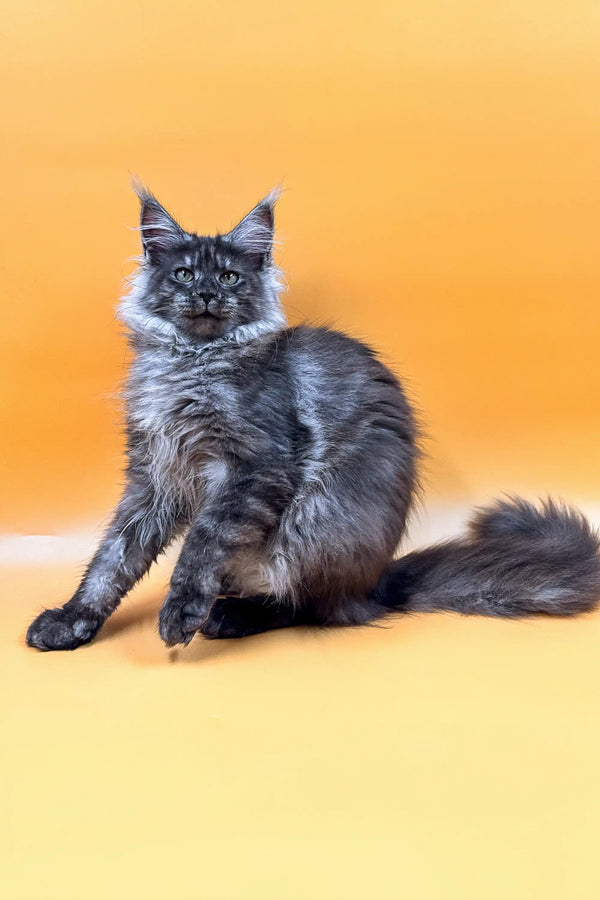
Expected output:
(199, 288)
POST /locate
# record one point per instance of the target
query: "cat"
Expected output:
(288, 457)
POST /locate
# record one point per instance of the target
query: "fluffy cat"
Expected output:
(288, 456)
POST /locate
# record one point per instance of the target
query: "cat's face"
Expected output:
(207, 286)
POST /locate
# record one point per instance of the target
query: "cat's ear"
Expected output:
(160, 232)
(254, 234)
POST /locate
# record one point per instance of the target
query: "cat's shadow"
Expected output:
(129, 616)
(134, 627)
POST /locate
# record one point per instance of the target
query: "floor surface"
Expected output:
(435, 757)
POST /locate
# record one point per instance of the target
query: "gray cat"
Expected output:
(288, 456)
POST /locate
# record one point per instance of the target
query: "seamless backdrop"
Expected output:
(440, 166)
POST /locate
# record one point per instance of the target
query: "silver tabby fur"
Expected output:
(288, 459)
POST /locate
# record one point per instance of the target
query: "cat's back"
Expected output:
(342, 375)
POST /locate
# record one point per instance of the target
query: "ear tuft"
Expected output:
(254, 234)
(160, 232)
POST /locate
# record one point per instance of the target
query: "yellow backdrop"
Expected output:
(440, 164)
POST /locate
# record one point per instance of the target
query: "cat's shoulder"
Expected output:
(328, 349)
(323, 339)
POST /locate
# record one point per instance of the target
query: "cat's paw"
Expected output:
(180, 618)
(65, 628)
(233, 617)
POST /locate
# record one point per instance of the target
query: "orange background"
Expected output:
(441, 167)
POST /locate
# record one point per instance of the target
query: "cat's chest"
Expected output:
(173, 398)
(184, 413)
(185, 404)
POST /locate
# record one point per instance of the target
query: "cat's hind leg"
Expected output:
(237, 617)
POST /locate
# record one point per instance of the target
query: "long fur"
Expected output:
(516, 560)
(288, 459)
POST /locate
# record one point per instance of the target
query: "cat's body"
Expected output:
(304, 410)
(288, 455)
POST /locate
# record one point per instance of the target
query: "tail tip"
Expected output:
(516, 517)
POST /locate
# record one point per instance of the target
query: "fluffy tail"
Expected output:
(516, 560)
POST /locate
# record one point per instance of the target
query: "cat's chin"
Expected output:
(205, 328)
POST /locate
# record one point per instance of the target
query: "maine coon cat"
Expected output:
(288, 458)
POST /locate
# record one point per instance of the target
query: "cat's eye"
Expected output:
(229, 278)
(184, 275)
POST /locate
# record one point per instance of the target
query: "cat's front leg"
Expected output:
(242, 516)
(133, 541)
(194, 588)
